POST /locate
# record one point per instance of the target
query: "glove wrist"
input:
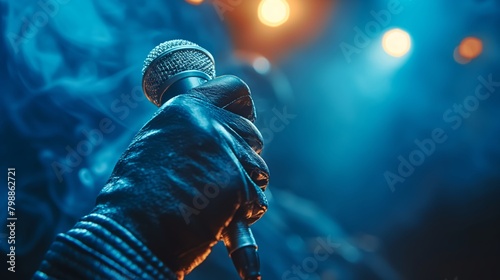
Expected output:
(98, 244)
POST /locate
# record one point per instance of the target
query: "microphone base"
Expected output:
(180, 84)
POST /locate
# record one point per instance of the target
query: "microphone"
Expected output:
(175, 67)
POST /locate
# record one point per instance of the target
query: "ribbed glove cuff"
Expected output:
(97, 247)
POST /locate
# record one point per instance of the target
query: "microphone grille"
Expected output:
(170, 58)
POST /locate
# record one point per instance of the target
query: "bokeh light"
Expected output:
(458, 58)
(273, 12)
(261, 65)
(396, 42)
(195, 2)
(470, 48)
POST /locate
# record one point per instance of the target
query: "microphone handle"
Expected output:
(242, 248)
(238, 238)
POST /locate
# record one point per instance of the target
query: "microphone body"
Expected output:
(173, 68)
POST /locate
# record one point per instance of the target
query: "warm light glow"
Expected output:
(396, 42)
(274, 12)
(470, 48)
(458, 58)
(195, 2)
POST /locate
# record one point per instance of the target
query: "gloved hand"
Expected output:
(188, 172)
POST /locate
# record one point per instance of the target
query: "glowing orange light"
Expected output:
(458, 58)
(195, 2)
(470, 48)
(273, 12)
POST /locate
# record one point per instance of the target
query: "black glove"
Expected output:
(191, 170)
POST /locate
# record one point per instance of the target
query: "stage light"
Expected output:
(195, 2)
(470, 48)
(273, 12)
(396, 42)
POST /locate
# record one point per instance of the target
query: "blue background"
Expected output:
(352, 118)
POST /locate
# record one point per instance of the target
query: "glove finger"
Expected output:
(247, 131)
(254, 203)
(255, 167)
(246, 144)
(230, 93)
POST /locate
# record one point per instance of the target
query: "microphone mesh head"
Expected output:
(170, 58)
